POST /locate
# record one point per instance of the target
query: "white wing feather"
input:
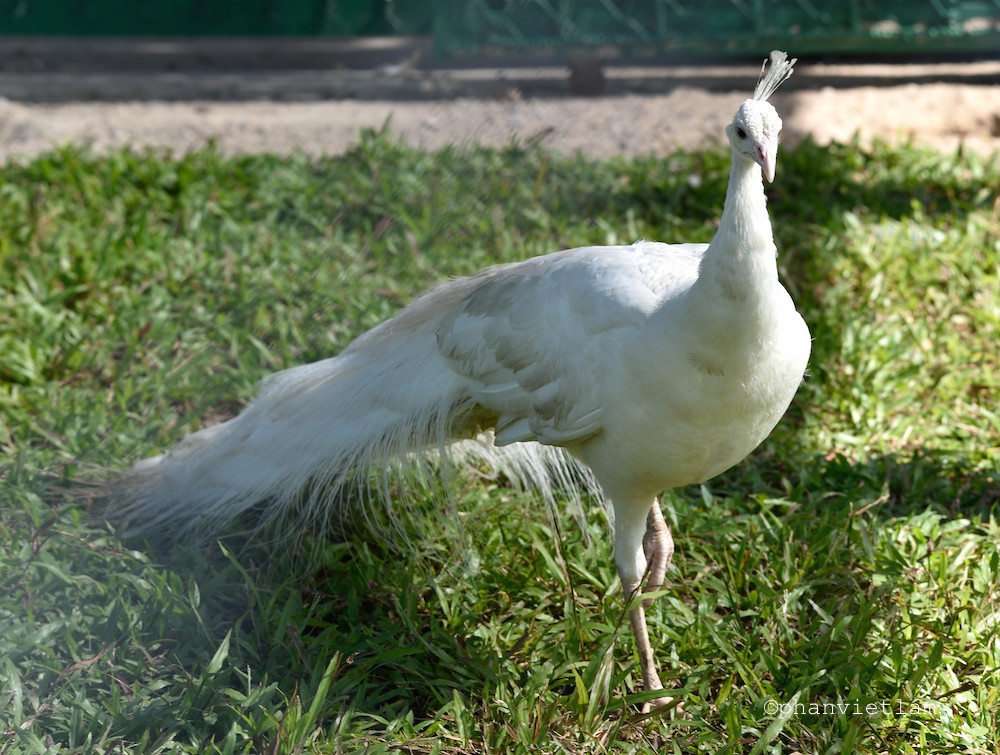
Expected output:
(536, 340)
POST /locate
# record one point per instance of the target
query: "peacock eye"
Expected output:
(740, 132)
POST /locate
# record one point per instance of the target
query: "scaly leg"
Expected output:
(656, 547)
(650, 678)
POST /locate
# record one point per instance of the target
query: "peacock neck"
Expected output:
(740, 261)
(745, 223)
(734, 306)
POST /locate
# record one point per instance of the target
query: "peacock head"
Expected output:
(754, 135)
(754, 131)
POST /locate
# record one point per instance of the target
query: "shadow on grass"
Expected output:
(764, 573)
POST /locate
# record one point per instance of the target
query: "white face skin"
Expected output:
(753, 135)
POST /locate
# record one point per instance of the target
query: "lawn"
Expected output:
(839, 591)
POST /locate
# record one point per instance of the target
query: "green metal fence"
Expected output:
(715, 26)
(463, 27)
(215, 17)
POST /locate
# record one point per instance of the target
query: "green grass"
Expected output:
(853, 561)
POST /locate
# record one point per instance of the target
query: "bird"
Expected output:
(629, 370)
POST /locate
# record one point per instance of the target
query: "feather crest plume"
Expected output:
(781, 69)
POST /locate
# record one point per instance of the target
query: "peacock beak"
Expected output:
(767, 156)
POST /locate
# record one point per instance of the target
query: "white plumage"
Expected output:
(653, 365)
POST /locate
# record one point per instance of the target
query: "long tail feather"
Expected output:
(325, 433)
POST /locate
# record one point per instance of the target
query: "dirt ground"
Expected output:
(321, 109)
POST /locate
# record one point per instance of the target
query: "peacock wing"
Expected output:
(537, 340)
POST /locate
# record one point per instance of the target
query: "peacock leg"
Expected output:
(646, 529)
(658, 546)
(650, 678)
